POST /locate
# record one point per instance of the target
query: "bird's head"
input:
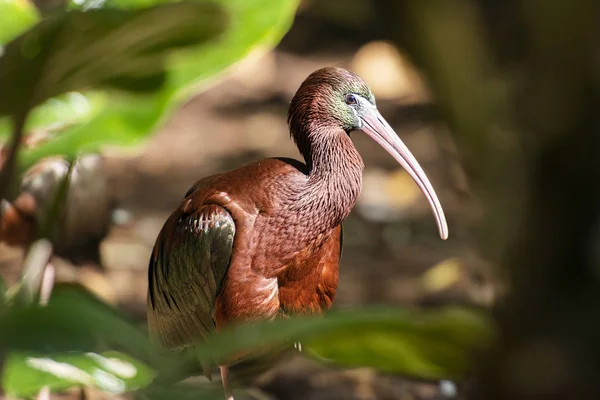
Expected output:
(333, 101)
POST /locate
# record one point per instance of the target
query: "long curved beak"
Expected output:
(379, 130)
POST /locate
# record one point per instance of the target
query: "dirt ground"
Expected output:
(392, 254)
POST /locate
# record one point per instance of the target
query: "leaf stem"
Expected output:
(7, 170)
(34, 269)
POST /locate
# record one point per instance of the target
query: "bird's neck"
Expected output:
(334, 181)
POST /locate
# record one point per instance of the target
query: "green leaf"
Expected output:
(60, 112)
(435, 345)
(430, 344)
(255, 27)
(73, 320)
(25, 374)
(16, 16)
(100, 48)
(124, 119)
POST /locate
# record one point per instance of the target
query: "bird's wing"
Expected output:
(186, 272)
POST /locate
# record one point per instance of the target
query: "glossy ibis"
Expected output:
(264, 240)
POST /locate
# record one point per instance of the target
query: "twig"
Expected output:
(44, 394)
(50, 218)
(7, 170)
(47, 284)
(225, 381)
(38, 272)
(38, 277)
(45, 291)
(34, 268)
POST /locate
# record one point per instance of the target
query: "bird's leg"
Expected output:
(225, 379)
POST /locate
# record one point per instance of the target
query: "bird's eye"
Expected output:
(351, 99)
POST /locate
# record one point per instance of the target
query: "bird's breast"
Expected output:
(264, 282)
(308, 282)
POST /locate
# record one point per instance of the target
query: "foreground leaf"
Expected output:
(126, 120)
(61, 112)
(100, 48)
(434, 345)
(431, 344)
(25, 374)
(16, 16)
(255, 27)
(73, 320)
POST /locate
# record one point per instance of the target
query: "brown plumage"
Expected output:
(265, 240)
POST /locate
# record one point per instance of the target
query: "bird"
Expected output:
(264, 241)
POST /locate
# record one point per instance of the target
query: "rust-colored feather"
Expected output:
(272, 268)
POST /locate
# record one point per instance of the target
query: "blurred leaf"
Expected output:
(255, 27)
(16, 16)
(124, 119)
(434, 346)
(26, 373)
(73, 320)
(427, 344)
(60, 112)
(100, 48)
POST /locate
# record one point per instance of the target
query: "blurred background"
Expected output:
(392, 253)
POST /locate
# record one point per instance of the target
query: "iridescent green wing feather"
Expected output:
(186, 272)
